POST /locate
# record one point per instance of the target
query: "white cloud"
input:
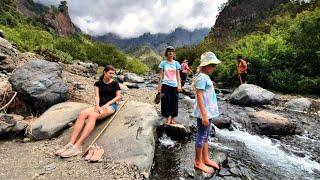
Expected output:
(129, 18)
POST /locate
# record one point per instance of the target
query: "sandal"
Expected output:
(97, 155)
(90, 152)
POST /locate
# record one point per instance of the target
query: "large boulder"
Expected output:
(133, 78)
(130, 138)
(39, 84)
(249, 94)
(299, 104)
(267, 123)
(8, 55)
(55, 119)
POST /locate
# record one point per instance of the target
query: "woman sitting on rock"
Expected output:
(107, 93)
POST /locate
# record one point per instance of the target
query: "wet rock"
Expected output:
(39, 84)
(267, 123)
(56, 118)
(222, 123)
(249, 94)
(175, 131)
(300, 104)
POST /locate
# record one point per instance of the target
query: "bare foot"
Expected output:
(211, 163)
(203, 168)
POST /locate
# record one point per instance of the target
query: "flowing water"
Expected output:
(249, 156)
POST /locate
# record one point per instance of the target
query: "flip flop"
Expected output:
(97, 155)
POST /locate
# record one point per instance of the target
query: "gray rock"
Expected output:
(131, 85)
(130, 138)
(56, 118)
(2, 56)
(132, 77)
(299, 104)
(267, 123)
(39, 84)
(6, 124)
(249, 94)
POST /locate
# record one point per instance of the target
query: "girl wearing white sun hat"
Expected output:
(205, 110)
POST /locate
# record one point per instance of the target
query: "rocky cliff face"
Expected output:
(238, 13)
(54, 19)
(61, 23)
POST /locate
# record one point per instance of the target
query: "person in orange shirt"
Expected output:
(242, 68)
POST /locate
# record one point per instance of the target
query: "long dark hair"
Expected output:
(106, 69)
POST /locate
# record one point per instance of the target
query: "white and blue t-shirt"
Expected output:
(170, 72)
(203, 82)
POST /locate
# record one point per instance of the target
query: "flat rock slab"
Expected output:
(55, 119)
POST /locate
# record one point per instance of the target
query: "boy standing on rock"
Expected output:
(205, 110)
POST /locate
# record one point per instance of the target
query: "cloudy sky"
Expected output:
(132, 18)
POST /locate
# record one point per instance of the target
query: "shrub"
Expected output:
(136, 66)
(285, 81)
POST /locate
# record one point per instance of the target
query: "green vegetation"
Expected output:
(29, 34)
(283, 50)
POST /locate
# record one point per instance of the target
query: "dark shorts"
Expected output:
(244, 77)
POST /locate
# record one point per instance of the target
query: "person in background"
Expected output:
(242, 68)
(205, 110)
(107, 93)
(184, 72)
(169, 85)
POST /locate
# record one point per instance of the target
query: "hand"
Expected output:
(179, 89)
(96, 109)
(205, 121)
(159, 89)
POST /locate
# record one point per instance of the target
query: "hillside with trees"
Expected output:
(281, 43)
(35, 28)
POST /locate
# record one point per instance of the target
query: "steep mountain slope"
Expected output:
(53, 19)
(179, 37)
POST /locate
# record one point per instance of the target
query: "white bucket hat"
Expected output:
(208, 58)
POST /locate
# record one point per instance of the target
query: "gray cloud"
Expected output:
(133, 18)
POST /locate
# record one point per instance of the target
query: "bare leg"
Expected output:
(168, 121)
(79, 124)
(199, 163)
(205, 157)
(91, 123)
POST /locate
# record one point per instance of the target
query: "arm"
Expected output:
(160, 80)
(205, 120)
(178, 80)
(96, 99)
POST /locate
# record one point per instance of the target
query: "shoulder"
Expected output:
(97, 83)
(162, 63)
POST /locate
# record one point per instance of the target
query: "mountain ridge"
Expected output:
(177, 38)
